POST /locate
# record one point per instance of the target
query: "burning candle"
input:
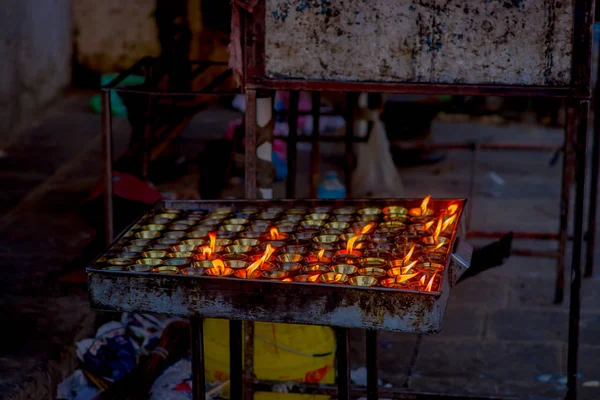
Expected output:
(421, 211)
(244, 274)
(319, 258)
(261, 263)
(349, 255)
(219, 269)
(274, 234)
(315, 269)
(334, 278)
(436, 239)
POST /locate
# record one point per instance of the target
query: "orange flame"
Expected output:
(206, 252)
(408, 267)
(219, 265)
(274, 233)
(430, 284)
(313, 278)
(422, 280)
(424, 205)
(452, 209)
(437, 246)
(258, 263)
(448, 222)
(337, 277)
(428, 225)
(321, 253)
(350, 245)
(366, 229)
(213, 241)
(438, 229)
(404, 278)
(287, 280)
(408, 255)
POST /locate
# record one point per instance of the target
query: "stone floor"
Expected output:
(501, 335)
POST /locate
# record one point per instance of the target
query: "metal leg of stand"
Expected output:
(343, 367)
(197, 339)
(315, 152)
(581, 110)
(372, 366)
(236, 368)
(109, 228)
(592, 213)
(292, 149)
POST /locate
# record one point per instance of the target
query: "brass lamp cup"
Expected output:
(154, 254)
(246, 242)
(232, 228)
(372, 271)
(315, 269)
(261, 228)
(205, 264)
(294, 249)
(275, 274)
(149, 261)
(347, 236)
(158, 247)
(178, 262)
(362, 280)
(236, 221)
(168, 241)
(397, 217)
(120, 261)
(289, 266)
(226, 235)
(317, 217)
(311, 224)
(431, 241)
(139, 268)
(375, 262)
(222, 210)
(180, 254)
(250, 235)
(174, 234)
(275, 209)
(115, 268)
(147, 235)
(193, 271)
(392, 226)
(379, 238)
(391, 283)
(368, 218)
(302, 236)
(289, 257)
(183, 248)
(321, 239)
(315, 259)
(379, 252)
(285, 228)
(342, 218)
(193, 242)
(334, 278)
(243, 273)
(218, 272)
(296, 211)
(134, 249)
(198, 234)
(267, 265)
(171, 211)
(395, 210)
(179, 227)
(161, 221)
(432, 258)
(154, 227)
(329, 231)
(166, 269)
(250, 210)
(346, 269)
(266, 215)
(320, 210)
(344, 211)
(326, 246)
(307, 278)
(210, 223)
(238, 249)
(223, 242)
(292, 218)
(369, 211)
(188, 222)
(167, 216)
(279, 236)
(344, 258)
(235, 256)
(139, 242)
(430, 267)
(298, 242)
(237, 264)
(337, 225)
(200, 256)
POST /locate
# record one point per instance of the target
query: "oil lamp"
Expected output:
(218, 269)
(334, 277)
(422, 212)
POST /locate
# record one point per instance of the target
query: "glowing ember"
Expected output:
(448, 222)
(430, 284)
(366, 229)
(438, 229)
(404, 278)
(219, 265)
(350, 245)
(452, 209)
(258, 263)
(408, 267)
(213, 241)
(321, 253)
(428, 225)
(408, 255)
(424, 205)
(422, 280)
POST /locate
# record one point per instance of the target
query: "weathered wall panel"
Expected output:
(516, 42)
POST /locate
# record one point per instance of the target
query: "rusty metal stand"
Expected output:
(342, 363)
(236, 368)
(372, 365)
(197, 340)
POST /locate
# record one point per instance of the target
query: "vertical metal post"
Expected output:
(315, 152)
(250, 159)
(146, 139)
(472, 183)
(236, 369)
(197, 340)
(565, 199)
(372, 366)
(292, 150)
(575, 295)
(351, 100)
(592, 213)
(248, 360)
(109, 228)
(343, 367)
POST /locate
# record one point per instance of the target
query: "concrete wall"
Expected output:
(35, 59)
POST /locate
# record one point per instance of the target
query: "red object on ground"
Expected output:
(128, 187)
